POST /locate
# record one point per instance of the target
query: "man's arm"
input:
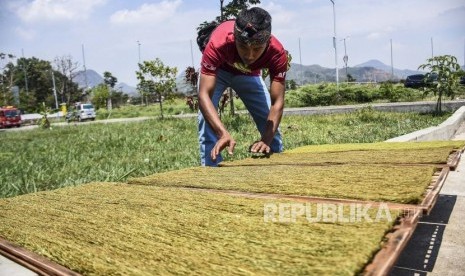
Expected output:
(277, 90)
(206, 89)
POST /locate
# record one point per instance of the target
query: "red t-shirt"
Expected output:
(221, 52)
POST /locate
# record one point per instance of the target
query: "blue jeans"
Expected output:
(256, 98)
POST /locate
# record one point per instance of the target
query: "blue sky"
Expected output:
(110, 29)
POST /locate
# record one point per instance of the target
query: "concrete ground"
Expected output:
(8, 268)
(437, 246)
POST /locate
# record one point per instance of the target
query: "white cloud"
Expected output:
(280, 16)
(57, 10)
(374, 35)
(25, 34)
(147, 13)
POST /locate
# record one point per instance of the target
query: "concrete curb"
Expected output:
(421, 107)
(444, 131)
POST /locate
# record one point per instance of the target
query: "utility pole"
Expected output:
(141, 88)
(85, 70)
(192, 55)
(432, 52)
(392, 63)
(301, 71)
(335, 45)
(54, 90)
(138, 46)
(25, 72)
(346, 58)
(221, 9)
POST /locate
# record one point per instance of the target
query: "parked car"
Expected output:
(420, 80)
(462, 80)
(415, 81)
(81, 112)
(10, 116)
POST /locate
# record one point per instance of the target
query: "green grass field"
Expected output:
(40, 160)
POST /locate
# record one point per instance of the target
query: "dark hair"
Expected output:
(204, 32)
(253, 26)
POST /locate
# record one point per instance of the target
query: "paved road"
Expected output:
(396, 107)
(119, 120)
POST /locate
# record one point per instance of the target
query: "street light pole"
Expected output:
(221, 9)
(301, 71)
(138, 46)
(346, 58)
(432, 51)
(85, 69)
(392, 63)
(54, 90)
(192, 55)
(25, 72)
(335, 44)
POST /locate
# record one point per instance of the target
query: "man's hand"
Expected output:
(223, 142)
(260, 147)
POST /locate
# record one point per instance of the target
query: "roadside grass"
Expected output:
(325, 94)
(308, 95)
(171, 107)
(38, 160)
(175, 106)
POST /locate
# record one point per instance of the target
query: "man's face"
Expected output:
(250, 53)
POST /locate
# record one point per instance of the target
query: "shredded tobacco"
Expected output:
(452, 145)
(120, 229)
(399, 184)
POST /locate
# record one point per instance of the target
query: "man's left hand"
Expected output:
(260, 147)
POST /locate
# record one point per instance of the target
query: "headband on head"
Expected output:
(249, 34)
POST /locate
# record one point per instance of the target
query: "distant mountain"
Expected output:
(316, 74)
(127, 89)
(93, 78)
(402, 74)
(372, 70)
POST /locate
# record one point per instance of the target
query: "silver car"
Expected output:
(85, 112)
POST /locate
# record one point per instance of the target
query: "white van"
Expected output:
(85, 112)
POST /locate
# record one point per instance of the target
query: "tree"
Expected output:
(191, 77)
(110, 81)
(350, 78)
(6, 81)
(291, 84)
(157, 79)
(100, 95)
(64, 81)
(444, 75)
(232, 9)
(33, 79)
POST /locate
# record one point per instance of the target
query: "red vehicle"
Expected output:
(9, 117)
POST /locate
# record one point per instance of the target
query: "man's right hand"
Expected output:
(223, 142)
